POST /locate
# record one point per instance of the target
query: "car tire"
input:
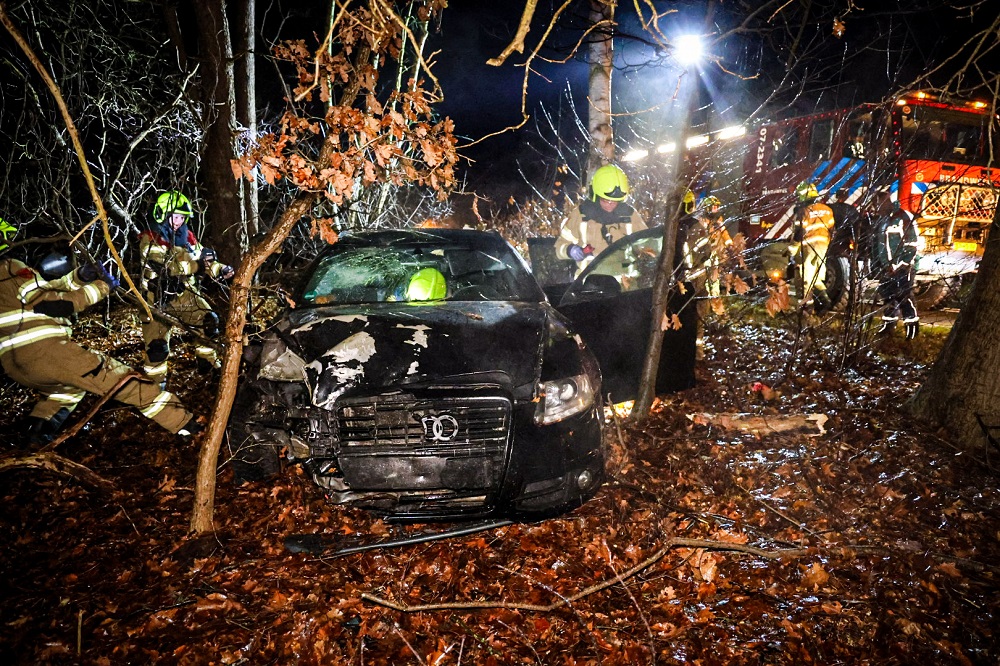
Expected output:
(930, 295)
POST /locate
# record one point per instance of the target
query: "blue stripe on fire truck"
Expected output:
(855, 167)
(841, 165)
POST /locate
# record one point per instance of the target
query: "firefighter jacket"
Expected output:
(816, 222)
(894, 245)
(33, 309)
(589, 224)
(172, 261)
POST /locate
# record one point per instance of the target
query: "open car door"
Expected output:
(610, 306)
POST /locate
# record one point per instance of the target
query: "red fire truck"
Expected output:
(933, 155)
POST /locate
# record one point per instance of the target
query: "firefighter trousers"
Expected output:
(64, 372)
(813, 268)
(190, 308)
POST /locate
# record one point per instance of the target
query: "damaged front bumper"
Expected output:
(440, 452)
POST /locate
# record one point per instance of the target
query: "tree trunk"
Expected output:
(662, 283)
(962, 391)
(602, 147)
(244, 15)
(202, 515)
(225, 233)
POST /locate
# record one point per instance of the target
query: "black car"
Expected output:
(424, 374)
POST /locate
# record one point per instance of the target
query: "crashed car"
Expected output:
(424, 374)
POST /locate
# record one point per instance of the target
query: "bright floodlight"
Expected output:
(635, 155)
(688, 49)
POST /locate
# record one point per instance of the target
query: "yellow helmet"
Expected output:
(710, 204)
(806, 191)
(427, 284)
(7, 233)
(169, 203)
(609, 182)
(689, 202)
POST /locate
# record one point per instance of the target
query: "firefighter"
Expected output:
(813, 230)
(894, 247)
(705, 242)
(36, 350)
(173, 265)
(598, 220)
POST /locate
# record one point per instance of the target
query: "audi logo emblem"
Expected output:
(440, 427)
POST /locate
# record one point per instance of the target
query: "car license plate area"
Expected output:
(402, 442)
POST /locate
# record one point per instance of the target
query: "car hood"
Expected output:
(346, 349)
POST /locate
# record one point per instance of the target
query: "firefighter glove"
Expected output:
(912, 328)
(576, 253)
(110, 279)
(227, 272)
(88, 272)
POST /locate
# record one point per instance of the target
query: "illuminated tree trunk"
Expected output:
(602, 148)
(226, 233)
(962, 391)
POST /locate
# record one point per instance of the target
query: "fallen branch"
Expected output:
(56, 463)
(759, 424)
(563, 601)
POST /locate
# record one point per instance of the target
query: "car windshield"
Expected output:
(424, 268)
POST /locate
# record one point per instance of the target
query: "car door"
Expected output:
(610, 306)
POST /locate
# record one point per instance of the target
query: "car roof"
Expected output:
(392, 237)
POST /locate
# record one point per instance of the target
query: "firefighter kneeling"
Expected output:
(36, 350)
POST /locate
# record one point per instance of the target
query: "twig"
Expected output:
(563, 601)
(799, 524)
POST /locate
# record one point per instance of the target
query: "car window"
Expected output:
(414, 272)
(622, 268)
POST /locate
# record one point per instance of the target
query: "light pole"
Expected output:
(688, 52)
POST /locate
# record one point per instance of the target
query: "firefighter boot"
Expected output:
(42, 431)
(912, 327)
(888, 326)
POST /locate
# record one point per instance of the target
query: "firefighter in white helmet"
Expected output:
(173, 264)
(599, 220)
(36, 350)
(811, 240)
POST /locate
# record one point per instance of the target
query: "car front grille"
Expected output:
(403, 442)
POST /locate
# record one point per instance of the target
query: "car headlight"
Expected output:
(563, 398)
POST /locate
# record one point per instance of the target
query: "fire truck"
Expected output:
(933, 155)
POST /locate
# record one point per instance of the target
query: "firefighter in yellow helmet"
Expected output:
(599, 220)
(811, 239)
(173, 265)
(36, 350)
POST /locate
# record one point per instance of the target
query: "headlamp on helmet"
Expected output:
(169, 203)
(609, 182)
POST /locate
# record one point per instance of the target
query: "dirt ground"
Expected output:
(738, 526)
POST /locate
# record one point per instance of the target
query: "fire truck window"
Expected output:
(784, 148)
(820, 140)
(856, 138)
